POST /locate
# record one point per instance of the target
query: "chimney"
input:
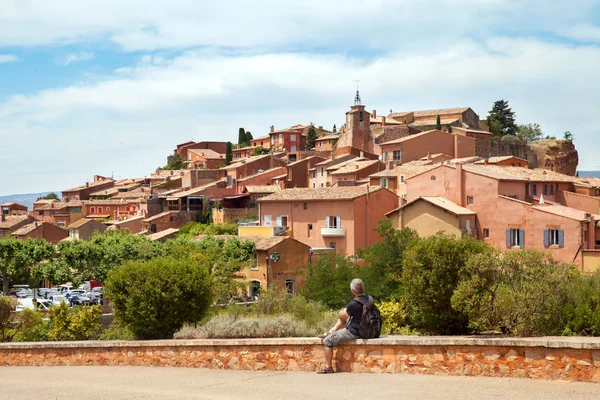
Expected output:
(374, 114)
(382, 120)
(356, 166)
(272, 129)
(456, 143)
(429, 155)
(362, 153)
(592, 234)
(320, 127)
(2, 217)
(485, 162)
(390, 165)
(87, 184)
(459, 184)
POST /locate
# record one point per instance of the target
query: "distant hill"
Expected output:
(27, 199)
(589, 174)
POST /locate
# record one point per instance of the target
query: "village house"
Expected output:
(205, 158)
(354, 172)
(183, 149)
(113, 208)
(132, 224)
(279, 262)
(250, 166)
(84, 229)
(10, 223)
(291, 139)
(163, 236)
(298, 175)
(83, 192)
(240, 152)
(394, 178)
(340, 218)
(263, 141)
(319, 173)
(326, 142)
(59, 213)
(165, 220)
(504, 161)
(260, 178)
(256, 192)
(427, 119)
(41, 230)
(12, 208)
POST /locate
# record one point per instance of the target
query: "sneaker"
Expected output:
(327, 370)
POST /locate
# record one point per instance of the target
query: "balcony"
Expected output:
(333, 232)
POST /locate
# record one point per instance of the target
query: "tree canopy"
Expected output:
(17, 257)
(228, 153)
(501, 119)
(530, 132)
(49, 196)
(242, 137)
(311, 137)
(176, 161)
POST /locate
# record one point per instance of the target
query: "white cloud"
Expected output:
(77, 57)
(129, 121)
(8, 58)
(584, 32)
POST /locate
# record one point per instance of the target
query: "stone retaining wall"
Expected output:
(570, 359)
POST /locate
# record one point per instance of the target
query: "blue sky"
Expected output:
(111, 87)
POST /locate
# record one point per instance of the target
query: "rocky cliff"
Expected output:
(556, 155)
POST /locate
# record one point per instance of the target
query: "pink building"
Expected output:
(341, 218)
(291, 139)
(414, 147)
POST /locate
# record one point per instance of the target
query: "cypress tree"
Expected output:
(248, 138)
(334, 129)
(438, 123)
(241, 137)
(228, 153)
(449, 128)
(311, 136)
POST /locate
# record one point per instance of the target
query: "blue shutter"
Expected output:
(546, 238)
(522, 238)
(508, 238)
(561, 238)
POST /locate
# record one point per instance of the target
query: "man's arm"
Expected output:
(343, 315)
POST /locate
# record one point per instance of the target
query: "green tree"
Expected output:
(7, 306)
(193, 229)
(242, 137)
(334, 130)
(530, 132)
(382, 273)
(175, 161)
(153, 299)
(311, 136)
(78, 323)
(494, 126)
(503, 117)
(49, 196)
(328, 280)
(431, 272)
(248, 138)
(568, 136)
(582, 313)
(17, 257)
(259, 151)
(517, 292)
(228, 153)
(438, 123)
(449, 127)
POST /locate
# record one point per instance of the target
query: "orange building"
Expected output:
(414, 147)
(41, 230)
(340, 218)
(205, 158)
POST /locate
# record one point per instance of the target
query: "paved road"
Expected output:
(116, 383)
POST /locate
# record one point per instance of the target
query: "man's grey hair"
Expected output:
(357, 286)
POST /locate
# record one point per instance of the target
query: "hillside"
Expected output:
(27, 199)
(557, 155)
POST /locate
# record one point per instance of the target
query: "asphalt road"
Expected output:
(116, 383)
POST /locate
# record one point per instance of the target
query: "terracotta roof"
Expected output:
(344, 157)
(328, 193)
(494, 160)
(328, 137)
(45, 201)
(460, 128)
(588, 182)
(353, 167)
(107, 192)
(91, 185)
(465, 160)
(24, 230)
(406, 170)
(411, 137)
(433, 122)
(266, 171)
(132, 194)
(252, 189)
(518, 173)
(157, 216)
(162, 234)
(400, 114)
(194, 191)
(109, 202)
(245, 161)
(563, 211)
(12, 220)
(80, 223)
(262, 242)
(59, 205)
(279, 176)
(129, 219)
(335, 167)
(388, 121)
(304, 160)
(243, 148)
(207, 153)
(12, 203)
(440, 202)
(440, 112)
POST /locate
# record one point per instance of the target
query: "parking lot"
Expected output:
(118, 383)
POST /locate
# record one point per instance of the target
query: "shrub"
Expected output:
(7, 306)
(431, 271)
(79, 323)
(116, 331)
(392, 315)
(31, 327)
(582, 314)
(328, 280)
(516, 292)
(193, 229)
(155, 298)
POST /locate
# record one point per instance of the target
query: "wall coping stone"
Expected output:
(570, 342)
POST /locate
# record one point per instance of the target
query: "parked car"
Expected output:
(96, 295)
(78, 300)
(57, 299)
(76, 292)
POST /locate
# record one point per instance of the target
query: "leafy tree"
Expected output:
(382, 273)
(328, 280)
(517, 292)
(193, 229)
(153, 299)
(494, 126)
(503, 117)
(568, 136)
(242, 137)
(228, 153)
(431, 271)
(175, 161)
(311, 136)
(248, 138)
(530, 132)
(258, 151)
(17, 257)
(438, 123)
(49, 196)
(449, 127)
(334, 130)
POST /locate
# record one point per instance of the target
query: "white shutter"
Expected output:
(327, 222)
(279, 220)
(338, 222)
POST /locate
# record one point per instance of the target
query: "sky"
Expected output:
(110, 87)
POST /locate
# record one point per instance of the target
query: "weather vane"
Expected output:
(357, 101)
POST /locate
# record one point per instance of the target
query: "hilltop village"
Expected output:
(304, 190)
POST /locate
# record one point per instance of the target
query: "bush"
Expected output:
(193, 229)
(116, 332)
(155, 298)
(78, 323)
(582, 314)
(328, 280)
(31, 327)
(7, 306)
(516, 292)
(392, 316)
(431, 271)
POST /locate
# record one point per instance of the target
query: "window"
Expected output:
(469, 200)
(515, 238)
(305, 206)
(360, 116)
(76, 209)
(468, 226)
(267, 220)
(313, 174)
(290, 286)
(322, 170)
(333, 222)
(533, 189)
(107, 209)
(255, 267)
(171, 219)
(486, 233)
(321, 144)
(433, 177)
(314, 185)
(281, 220)
(401, 178)
(321, 185)
(153, 228)
(332, 245)
(310, 227)
(554, 237)
(92, 210)
(293, 148)
(272, 140)
(280, 138)
(62, 224)
(549, 190)
(41, 214)
(385, 156)
(99, 210)
(383, 182)
(254, 289)
(293, 138)
(397, 155)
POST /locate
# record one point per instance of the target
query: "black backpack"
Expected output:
(370, 322)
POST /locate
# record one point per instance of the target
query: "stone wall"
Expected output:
(514, 148)
(570, 359)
